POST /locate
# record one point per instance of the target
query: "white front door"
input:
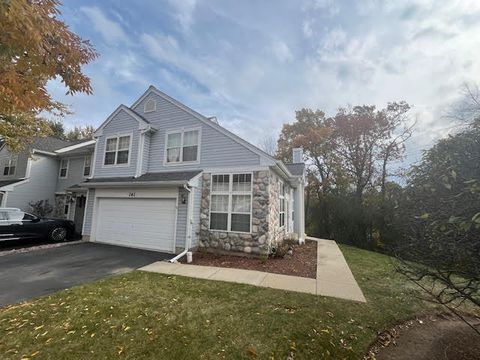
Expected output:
(146, 223)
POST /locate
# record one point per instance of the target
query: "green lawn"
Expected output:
(144, 315)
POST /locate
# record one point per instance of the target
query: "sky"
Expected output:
(253, 63)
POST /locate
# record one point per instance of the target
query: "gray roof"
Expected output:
(9, 182)
(157, 177)
(296, 169)
(49, 143)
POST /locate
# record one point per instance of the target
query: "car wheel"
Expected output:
(58, 234)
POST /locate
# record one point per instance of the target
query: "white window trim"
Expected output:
(13, 158)
(117, 136)
(229, 208)
(154, 107)
(281, 198)
(60, 170)
(85, 165)
(182, 131)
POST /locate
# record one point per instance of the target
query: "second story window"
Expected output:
(182, 146)
(63, 168)
(87, 166)
(117, 150)
(10, 166)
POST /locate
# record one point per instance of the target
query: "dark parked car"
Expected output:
(16, 224)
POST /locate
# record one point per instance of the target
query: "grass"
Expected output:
(143, 315)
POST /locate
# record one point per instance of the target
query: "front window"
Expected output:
(87, 166)
(63, 168)
(117, 150)
(231, 202)
(10, 166)
(282, 205)
(182, 146)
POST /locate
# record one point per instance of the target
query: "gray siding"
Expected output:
(181, 219)
(41, 184)
(121, 124)
(87, 222)
(216, 149)
(74, 174)
(22, 160)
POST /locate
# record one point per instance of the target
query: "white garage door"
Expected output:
(142, 223)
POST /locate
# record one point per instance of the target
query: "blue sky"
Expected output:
(253, 63)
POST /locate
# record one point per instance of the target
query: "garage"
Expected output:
(147, 223)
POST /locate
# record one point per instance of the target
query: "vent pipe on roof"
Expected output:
(214, 119)
(297, 155)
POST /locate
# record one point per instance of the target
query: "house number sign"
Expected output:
(131, 195)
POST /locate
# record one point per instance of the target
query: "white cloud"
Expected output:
(110, 30)
(183, 12)
(282, 51)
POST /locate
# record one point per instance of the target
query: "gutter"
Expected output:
(132, 183)
(188, 240)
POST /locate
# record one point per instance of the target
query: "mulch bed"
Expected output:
(302, 263)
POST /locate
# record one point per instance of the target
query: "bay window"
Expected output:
(117, 150)
(231, 202)
(182, 146)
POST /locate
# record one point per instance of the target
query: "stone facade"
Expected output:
(265, 219)
(59, 208)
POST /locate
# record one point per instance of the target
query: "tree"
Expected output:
(366, 141)
(56, 128)
(35, 47)
(269, 145)
(80, 133)
(313, 132)
(440, 220)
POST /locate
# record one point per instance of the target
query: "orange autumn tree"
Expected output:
(35, 47)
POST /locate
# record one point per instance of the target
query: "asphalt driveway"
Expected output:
(28, 275)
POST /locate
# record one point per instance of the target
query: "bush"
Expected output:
(40, 208)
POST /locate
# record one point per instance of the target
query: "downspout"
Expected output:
(188, 240)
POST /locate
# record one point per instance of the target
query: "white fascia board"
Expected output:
(76, 146)
(42, 152)
(134, 184)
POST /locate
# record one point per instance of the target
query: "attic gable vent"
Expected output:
(150, 105)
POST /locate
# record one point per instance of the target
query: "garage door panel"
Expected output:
(145, 223)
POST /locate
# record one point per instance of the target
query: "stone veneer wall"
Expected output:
(265, 219)
(59, 207)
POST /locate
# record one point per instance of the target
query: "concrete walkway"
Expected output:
(334, 277)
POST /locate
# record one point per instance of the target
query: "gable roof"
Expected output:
(76, 145)
(205, 120)
(142, 122)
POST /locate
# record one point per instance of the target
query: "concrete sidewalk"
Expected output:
(334, 277)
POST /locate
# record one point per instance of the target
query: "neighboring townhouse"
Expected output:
(167, 178)
(48, 169)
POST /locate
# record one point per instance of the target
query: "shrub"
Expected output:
(40, 208)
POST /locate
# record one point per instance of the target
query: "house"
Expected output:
(48, 169)
(167, 178)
